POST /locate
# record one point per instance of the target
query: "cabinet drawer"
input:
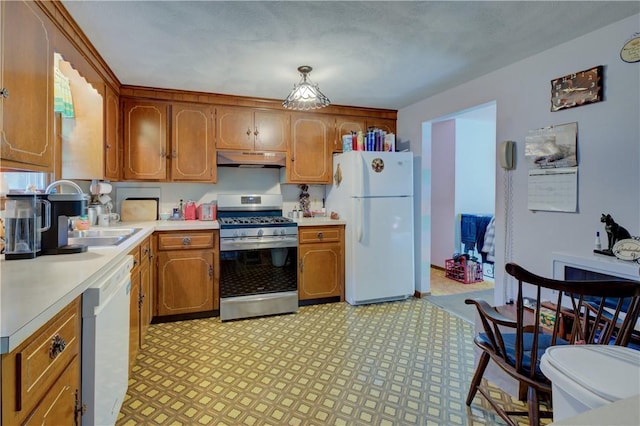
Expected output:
(32, 368)
(185, 240)
(320, 234)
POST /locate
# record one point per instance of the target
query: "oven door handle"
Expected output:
(254, 244)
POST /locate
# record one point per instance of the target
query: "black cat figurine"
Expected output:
(614, 231)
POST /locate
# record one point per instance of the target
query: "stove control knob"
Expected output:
(243, 234)
(282, 232)
(235, 234)
(260, 232)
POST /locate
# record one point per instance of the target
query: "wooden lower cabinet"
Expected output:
(321, 262)
(187, 278)
(41, 377)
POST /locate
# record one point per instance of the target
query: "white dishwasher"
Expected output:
(105, 344)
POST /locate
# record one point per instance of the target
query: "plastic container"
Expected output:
(584, 377)
(466, 273)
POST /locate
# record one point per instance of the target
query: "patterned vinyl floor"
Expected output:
(400, 363)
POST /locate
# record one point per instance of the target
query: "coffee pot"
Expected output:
(24, 227)
(63, 206)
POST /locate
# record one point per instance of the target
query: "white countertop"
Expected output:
(319, 221)
(32, 291)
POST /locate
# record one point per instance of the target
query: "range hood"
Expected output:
(251, 159)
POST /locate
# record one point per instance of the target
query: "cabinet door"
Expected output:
(58, 407)
(26, 76)
(192, 155)
(235, 128)
(388, 125)
(185, 282)
(344, 126)
(134, 319)
(309, 158)
(145, 140)
(112, 149)
(271, 130)
(319, 273)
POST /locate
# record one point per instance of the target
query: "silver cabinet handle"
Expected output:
(320, 235)
(4, 92)
(186, 241)
(256, 132)
(248, 131)
(301, 265)
(210, 272)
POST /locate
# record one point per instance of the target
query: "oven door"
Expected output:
(258, 281)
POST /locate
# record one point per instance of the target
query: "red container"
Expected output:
(190, 210)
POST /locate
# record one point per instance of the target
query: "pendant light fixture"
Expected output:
(305, 94)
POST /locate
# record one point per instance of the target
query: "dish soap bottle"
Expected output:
(598, 244)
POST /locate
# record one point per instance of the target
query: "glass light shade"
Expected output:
(305, 94)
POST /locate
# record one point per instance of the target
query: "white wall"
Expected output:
(608, 145)
(443, 191)
(232, 180)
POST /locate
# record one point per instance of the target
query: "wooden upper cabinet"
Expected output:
(145, 140)
(192, 156)
(388, 125)
(112, 149)
(26, 81)
(344, 126)
(309, 156)
(271, 130)
(248, 129)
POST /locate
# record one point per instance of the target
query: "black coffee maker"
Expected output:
(63, 206)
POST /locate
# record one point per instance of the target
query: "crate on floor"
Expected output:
(463, 272)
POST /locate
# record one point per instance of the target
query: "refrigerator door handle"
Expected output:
(360, 220)
(361, 171)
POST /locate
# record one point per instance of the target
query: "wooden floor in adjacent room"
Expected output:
(442, 286)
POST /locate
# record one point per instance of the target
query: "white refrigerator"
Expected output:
(373, 192)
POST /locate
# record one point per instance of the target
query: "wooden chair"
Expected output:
(516, 345)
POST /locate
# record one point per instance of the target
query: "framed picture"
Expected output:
(577, 89)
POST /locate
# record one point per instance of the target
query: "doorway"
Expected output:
(462, 148)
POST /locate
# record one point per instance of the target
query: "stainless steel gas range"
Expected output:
(258, 257)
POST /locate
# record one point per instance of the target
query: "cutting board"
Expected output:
(139, 210)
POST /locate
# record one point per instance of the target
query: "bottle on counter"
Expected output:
(598, 243)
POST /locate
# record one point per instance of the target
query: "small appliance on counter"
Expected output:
(55, 240)
(207, 211)
(23, 215)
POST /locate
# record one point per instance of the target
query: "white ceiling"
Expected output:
(374, 54)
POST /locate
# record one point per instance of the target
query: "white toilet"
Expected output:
(584, 377)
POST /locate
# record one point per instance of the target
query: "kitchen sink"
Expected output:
(101, 237)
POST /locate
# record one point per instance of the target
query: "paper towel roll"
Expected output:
(104, 188)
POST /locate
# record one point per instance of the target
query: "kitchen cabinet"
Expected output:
(320, 262)
(388, 125)
(309, 155)
(249, 129)
(26, 85)
(41, 377)
(344, 126)
(187, 156)
(187, 277)
(140, 308)
(112, 151)
(192, 156)
(144, 140)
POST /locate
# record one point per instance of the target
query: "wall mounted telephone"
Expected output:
(506, 155)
